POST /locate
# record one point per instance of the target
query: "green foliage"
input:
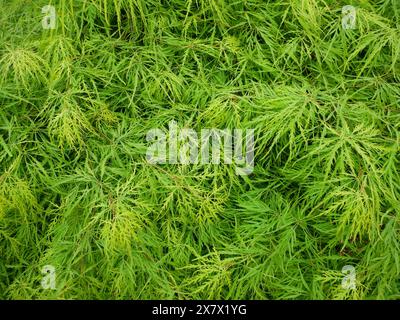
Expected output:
(77, 193)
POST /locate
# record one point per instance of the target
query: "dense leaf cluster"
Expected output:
(77, 193)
